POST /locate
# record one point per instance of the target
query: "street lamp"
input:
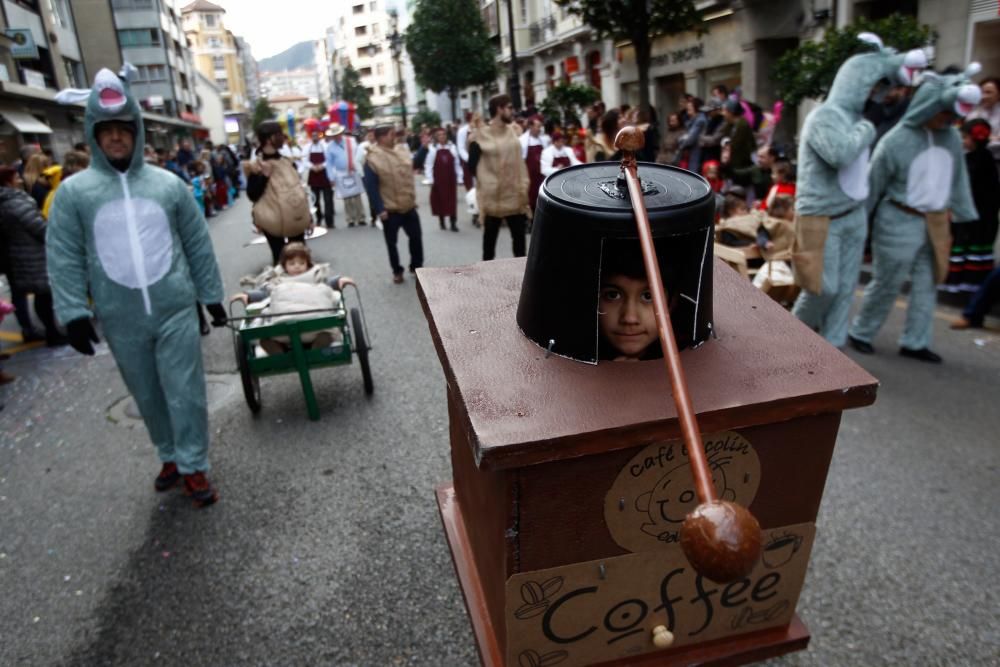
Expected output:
(514, 83)
(396, 49)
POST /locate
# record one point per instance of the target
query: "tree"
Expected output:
(425, 117)
(563, 103)
(449, 47)
(808, 70)
(639, 21)
(262, 112)
(352, 91)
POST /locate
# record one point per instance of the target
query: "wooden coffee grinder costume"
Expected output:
(581, 531)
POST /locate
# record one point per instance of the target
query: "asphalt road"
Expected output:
(326, 547)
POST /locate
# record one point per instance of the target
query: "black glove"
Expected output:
(218, 313)
(81, 333)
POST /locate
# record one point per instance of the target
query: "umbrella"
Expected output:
(344, 113)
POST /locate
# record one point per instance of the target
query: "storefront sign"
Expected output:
(23, 46)
(605, 610)
(654, 491)
(695, 52)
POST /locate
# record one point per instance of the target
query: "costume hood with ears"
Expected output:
(111, 98)
(944, 92)
(859, 73)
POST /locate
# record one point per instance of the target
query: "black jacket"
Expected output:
(22, 230)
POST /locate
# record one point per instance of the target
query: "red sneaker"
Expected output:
(200, 489)
(168, 477)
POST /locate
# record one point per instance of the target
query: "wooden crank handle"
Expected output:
(720, 539)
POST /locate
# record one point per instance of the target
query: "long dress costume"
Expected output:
(444, 171)
(917, 176)
(137, 243)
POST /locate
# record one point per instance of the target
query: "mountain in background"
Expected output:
(294, 57)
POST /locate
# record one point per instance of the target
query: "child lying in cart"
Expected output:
(300, 286)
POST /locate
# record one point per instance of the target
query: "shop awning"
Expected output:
(25, 122)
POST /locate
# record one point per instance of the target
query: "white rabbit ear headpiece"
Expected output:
(871, 38)
(73, 95)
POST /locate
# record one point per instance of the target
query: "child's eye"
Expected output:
(611, 294)
(647, 296)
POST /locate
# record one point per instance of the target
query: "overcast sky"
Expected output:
(270, 27)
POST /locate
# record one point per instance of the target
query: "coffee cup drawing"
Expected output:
(780, 549)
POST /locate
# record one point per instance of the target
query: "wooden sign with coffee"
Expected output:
(606, 609)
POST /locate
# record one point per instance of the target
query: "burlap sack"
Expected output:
(807, 252)
(939, 233)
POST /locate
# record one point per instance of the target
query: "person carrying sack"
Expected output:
(342, 169)
(280, 204)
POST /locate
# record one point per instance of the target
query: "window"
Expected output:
(524, 11)
(74, 72)
(210, 20)
(365, 71)
(380, 68)
(376, 32)
(214, 43)
(219, 62)
(222, 82)
(145, 37)
(373, 6)
(358, 9)
(361, 31)
(132, 4)
(381, 90)
(152, 73)
(60, 13)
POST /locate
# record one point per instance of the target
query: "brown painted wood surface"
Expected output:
(489, 508)
(524, 409)
(733, 651)
(561, 504)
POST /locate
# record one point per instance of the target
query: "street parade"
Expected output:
(521, 333)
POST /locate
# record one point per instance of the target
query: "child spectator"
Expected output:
(711, 171)
(783, 180)
(200, 185)
(301, 285)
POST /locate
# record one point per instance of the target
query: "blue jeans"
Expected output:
(984, 298)
(410, 223)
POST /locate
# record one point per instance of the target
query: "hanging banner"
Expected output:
(24, 47)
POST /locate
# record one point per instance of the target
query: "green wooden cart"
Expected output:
(254, 364)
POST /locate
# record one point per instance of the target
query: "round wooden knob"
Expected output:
(662, 638)
(721, 540)
(630, 138)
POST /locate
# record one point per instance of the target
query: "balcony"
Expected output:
(541, 31)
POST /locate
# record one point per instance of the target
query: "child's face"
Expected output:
(296, 266)
(776, 176)
(627, 319)
(712, 172)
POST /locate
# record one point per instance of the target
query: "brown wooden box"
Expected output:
(538, 441)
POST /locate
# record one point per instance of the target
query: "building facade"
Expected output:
(251, 73)
(210, 108)
(360, 37)
(300, 82)
(215, 52)
(740, 43)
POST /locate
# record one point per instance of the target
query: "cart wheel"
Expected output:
(361, 347)
(251, 383)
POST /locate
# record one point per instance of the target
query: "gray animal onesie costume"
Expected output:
(137, 244)
(831, 221)
(918, 176)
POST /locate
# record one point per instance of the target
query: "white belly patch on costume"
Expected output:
(854, 177)
(928, 182)
(114, 246)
